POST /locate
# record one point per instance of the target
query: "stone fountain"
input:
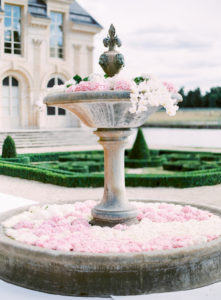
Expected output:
(87, 274)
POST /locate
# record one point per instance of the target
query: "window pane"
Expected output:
(60, 53)
(17, 46)
(50, 110)
(60, 81)
(7, 35)
(8, 45)
(16, 12)
(16, 25)
(59, 18)
(14, 82)
(7, 10)
(56, 35)
(17, 51)
(12, 29)
(16, 35)
(7, 22)
(6, 81)
(8, 50)
(61, 112)
(52, 52)
(51, 83)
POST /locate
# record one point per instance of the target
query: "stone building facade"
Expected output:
(42, 43)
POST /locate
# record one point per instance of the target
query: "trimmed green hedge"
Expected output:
(22, 159)
(84, 166)
(50, 173)
(155, 161)
(186, 165)
(81, 157)
(184, 179)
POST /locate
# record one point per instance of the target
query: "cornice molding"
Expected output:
(38, 22)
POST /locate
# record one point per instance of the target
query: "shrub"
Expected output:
(82, 166)
(8, 148)
(81, 157)
(154, 161)
(22, 160)
(140, 149)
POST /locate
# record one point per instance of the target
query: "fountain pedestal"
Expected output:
(114, 207)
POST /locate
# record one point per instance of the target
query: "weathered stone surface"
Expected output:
(85, 274)
(104, 109)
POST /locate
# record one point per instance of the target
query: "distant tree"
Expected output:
(195, 99)
(214, 97)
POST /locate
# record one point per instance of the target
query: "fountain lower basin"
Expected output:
(87, 274)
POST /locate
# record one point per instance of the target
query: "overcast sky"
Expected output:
(177, 40)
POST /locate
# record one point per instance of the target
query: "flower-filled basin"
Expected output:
(101, 109)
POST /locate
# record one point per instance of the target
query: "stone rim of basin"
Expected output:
(106, 274)
(94, 96)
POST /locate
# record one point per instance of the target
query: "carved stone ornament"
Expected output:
(111, 61)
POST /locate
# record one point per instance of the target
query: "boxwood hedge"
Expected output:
(44, 173)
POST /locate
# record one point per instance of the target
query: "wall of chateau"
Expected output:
(34, 68)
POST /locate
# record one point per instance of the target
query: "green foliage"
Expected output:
(62, 178)
(186, 172)
(142, 163)
(138, 80)
(83, 166)
(9, 148)
(77, 78)
(22, 160)
(81, 157)
(195, 98)
(140, 149)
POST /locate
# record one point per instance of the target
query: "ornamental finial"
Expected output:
(112, 39)
(111, 61)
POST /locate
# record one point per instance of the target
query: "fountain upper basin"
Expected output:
(101, 109)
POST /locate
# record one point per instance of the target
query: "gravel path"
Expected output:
(41, 192)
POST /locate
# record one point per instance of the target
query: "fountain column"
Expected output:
(114, 207)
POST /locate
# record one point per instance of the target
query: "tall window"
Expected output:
(56, 35)
(10, 97)
(52, 110)
(12, 34)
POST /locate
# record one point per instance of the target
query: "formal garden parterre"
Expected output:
(143, 167)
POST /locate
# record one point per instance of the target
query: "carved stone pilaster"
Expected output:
(37, 42)
(90, 50)
(77, 58)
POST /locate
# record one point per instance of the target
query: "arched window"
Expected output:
(10, 96)
(51, 110)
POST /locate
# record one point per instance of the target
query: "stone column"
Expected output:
(114, 207)
(35, 113)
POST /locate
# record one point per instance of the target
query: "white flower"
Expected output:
(152, 92)
(96, 77)
(70, 82)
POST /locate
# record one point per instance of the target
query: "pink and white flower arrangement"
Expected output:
(145, 91)
(66, 227)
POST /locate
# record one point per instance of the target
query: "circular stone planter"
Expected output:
(85, 274)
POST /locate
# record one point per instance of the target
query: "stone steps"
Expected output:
(50, 138)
